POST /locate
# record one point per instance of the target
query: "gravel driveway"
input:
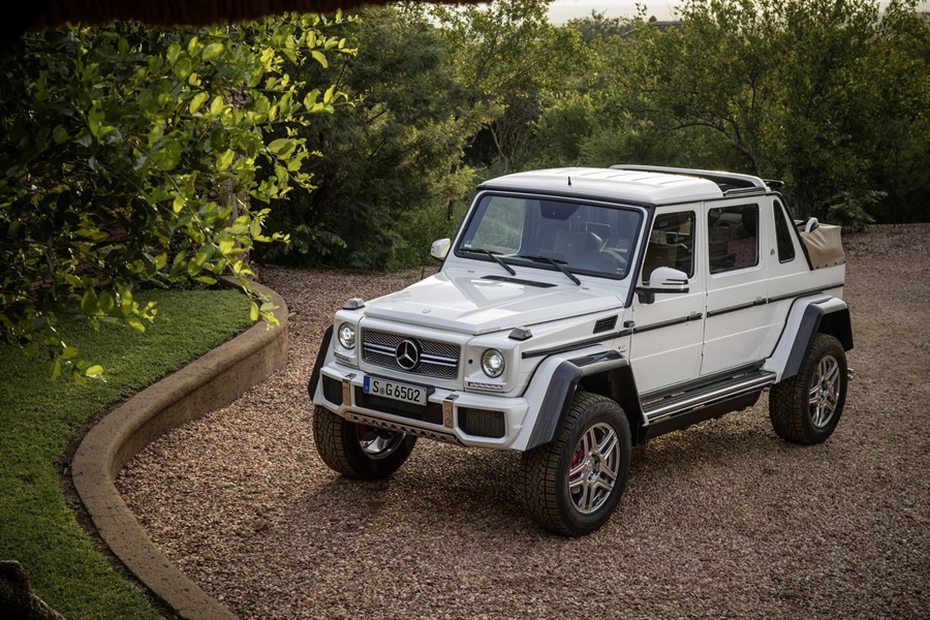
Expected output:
(722, 520)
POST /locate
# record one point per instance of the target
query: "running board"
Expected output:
(680, 410)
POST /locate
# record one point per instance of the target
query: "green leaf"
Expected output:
(60, 134)
(168, 156)
(225, 159)
(198, 100)
(106, 302)
(89, 302)
(94, 372)
(216, 106)
(213, 51)
(282, 147)
(125, 300)
(174, 50)
(328, 95)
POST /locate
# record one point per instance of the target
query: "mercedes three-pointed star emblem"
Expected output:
(408, 354)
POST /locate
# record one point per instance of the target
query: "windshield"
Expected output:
(579, 237)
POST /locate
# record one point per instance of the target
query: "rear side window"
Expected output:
(733, 234)
(782, 233)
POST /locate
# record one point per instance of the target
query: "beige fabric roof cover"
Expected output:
(824, 246)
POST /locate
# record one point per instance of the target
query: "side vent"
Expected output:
(605, 325)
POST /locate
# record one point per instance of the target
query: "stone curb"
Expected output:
(210, 382)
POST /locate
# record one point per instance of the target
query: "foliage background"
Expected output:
(133, 156)
(829, 97)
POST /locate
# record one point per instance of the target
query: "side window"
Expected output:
(782, 233)
(733, 234)
(671, 243)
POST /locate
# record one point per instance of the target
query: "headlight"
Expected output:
(347, 335)
(492, 363)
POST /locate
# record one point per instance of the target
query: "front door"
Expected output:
(665, 348)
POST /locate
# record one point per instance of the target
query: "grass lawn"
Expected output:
(41, 422)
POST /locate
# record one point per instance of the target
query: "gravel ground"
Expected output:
(721, 520)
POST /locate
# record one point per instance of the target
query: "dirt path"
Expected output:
(721, 520)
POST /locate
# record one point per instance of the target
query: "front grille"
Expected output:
(332, 390)
(481, 422)
(431, 413)
(438, 359)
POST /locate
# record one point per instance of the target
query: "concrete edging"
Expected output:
(204, 385)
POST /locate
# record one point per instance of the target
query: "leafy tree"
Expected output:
(597, 26)
(601, 121)
(509, 56)
(798, 89)
(129, 155)
(898, 74)
(391, 163)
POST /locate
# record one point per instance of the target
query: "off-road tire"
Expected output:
(806, 408)
(358, 451)
(546, 471)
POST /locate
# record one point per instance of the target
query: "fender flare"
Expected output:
(320, 362)
(563, 383)
(829, 317)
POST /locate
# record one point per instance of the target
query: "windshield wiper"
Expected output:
(494, 255)
(557, 263)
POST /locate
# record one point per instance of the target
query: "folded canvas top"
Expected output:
(823, 245)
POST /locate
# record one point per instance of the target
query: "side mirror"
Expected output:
(440, 248)
(663, 280)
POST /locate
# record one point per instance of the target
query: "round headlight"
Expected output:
(347, 335)
(492, 363)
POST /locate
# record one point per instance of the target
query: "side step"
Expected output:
(678, 411)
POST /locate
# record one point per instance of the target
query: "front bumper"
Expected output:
(452, 416)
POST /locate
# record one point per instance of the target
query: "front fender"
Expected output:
(556, 380)
(321, 360)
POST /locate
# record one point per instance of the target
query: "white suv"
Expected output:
(581, 311)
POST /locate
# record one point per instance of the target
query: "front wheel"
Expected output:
(572, 484)
(357, 450)
(806, 408)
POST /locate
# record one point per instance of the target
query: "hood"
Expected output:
(474, 305)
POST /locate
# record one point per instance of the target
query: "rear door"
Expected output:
(737, 317)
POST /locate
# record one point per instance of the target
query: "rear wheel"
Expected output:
(357, 450)
(572, 484)
(806, 408)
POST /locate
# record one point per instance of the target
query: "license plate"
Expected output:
(414, 394)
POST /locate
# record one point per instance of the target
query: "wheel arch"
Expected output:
(605, 372)
(830, 318)
(320, 362)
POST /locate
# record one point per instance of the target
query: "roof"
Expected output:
(651, 185)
